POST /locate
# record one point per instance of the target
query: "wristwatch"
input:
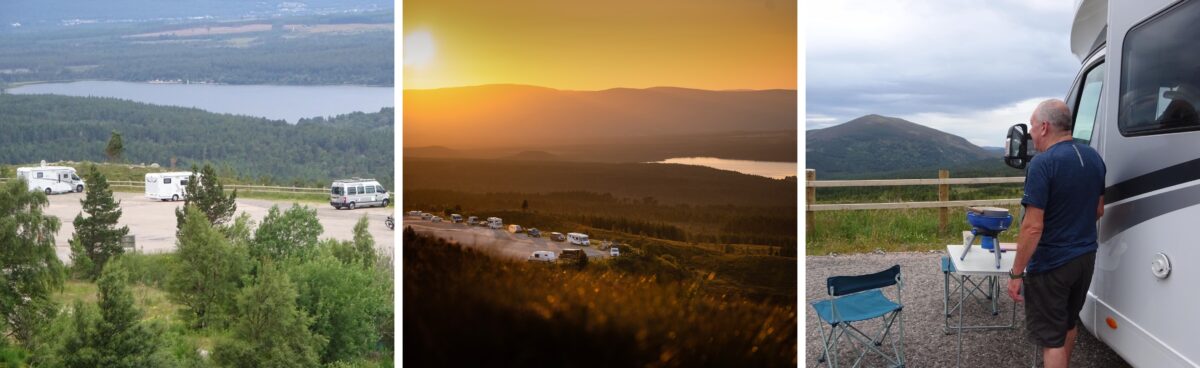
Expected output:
(1015, 276)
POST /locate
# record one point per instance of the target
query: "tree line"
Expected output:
(62, 128)
(360, 58)
(274, 294)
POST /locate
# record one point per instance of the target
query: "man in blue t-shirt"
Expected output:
(1056, 248)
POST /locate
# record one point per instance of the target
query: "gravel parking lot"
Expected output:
(498, 241)
(925, 343)
(152, 222)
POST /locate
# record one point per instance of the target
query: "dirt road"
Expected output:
(153, 222)
(498, 241)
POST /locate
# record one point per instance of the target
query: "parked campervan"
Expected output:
(557, 236)
(51, 179)
(543, 256)
(353, 193)
(1134, 101)
(456, 218)
(495, 222)
(414, 213)
(167, 186)
(578, 238)
(514, 228)
(472, 220)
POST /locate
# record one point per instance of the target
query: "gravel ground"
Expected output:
(925, 345)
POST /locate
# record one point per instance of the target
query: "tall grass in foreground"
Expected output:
(466, 308)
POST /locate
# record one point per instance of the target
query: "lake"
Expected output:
(273, 102)
(776, 170)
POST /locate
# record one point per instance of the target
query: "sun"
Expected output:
(419, 49)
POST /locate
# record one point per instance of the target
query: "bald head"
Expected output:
(1055, 113)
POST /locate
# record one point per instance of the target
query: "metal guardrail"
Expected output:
(245, 188)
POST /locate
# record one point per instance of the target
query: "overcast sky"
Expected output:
(970, 68)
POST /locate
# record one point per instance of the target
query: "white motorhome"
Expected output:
(357, 192)
(543, 256)
(495, 222)
(51, 179)
(167, 186)
(456, 218)
(1134, 101)
(578, 239)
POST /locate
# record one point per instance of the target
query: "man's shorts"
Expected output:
(1054, 298)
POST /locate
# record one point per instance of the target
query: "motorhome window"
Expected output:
(1160, 80)
(74, 177)
(361, 191)
(39, 175)
(353, 190)
(166, 180)
(370, 190)
(183, 182)
(1089, 104)
(336, 190)
(379, 188)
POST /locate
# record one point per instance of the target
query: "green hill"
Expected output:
(877, 145)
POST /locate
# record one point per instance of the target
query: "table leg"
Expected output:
(962, 298)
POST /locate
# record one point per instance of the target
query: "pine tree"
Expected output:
(205, 191)
(270, 330)
(346, 301)
(117, 338)
(31, 268)
(116, 148)
(208, 273)
(97, 238)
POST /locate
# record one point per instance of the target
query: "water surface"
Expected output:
(776, 170)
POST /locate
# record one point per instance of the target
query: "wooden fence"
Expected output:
(943, 203)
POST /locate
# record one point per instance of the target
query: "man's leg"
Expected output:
(1059, 357)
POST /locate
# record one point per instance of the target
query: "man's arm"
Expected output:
(1100, 209)
(1027, 240)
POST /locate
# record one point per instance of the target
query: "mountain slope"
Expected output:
(875, 143)
(514, 115)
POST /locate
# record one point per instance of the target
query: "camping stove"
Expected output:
(986, 224)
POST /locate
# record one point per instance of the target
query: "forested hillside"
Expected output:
(315, 50)
(53, 128)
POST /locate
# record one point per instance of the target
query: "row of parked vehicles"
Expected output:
(498, 223)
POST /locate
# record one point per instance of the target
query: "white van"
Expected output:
(353, 193)
(543, 256)
(578, 239)
(495, 222)
(167, 186)
(614, 252)
(51, 179)
(1134, 101)
(514, 228)
(414, 213)
(455, 218)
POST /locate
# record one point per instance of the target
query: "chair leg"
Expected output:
(824, 343)
(900, 352)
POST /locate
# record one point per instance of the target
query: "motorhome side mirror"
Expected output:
(1017, 147)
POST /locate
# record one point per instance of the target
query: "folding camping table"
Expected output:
(981, 264)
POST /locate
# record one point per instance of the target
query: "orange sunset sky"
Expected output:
(595, 45)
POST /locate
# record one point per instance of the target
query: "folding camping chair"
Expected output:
(861, 298)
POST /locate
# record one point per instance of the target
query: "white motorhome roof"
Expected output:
(577, 234)
(1089, 28)
(45, 168)
(172, 174)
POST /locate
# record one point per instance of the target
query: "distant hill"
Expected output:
(431, 152)
(998, 151)
(534, 156)
(524, 116)
(881, 144)
(665, 183)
